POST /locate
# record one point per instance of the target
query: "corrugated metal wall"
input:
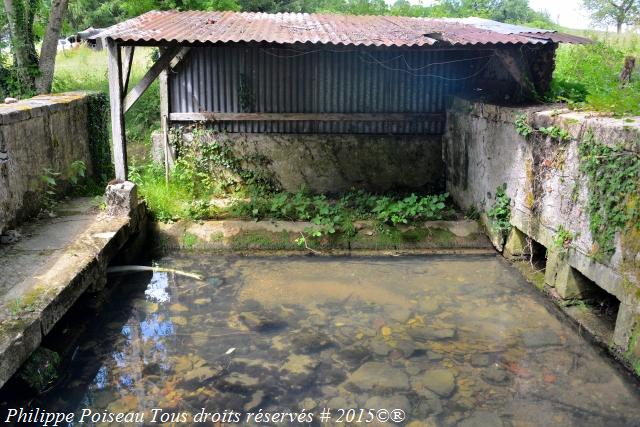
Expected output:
(252, 78)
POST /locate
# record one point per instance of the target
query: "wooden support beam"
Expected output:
(127, 61)
(179, 57)
(150, 76)
(114, 63)
(322, 117)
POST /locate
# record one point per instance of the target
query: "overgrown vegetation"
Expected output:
(210, 181)
(524, 129)
(563, 238)
(500, 212)
(587, 76)
(614, 184)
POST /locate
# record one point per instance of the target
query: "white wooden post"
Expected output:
(116, 96)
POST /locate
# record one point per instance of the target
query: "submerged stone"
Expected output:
(310, 341)
(540, 338)
(378, 376)
(261, 322)
(396, 401)
(428, 333)
(482, 419)
(440, 381)
(494, 374)
(480, 359)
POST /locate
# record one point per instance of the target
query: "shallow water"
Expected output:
(450, 341)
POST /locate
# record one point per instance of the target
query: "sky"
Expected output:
(568, 13)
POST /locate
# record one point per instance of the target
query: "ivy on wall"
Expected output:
(613, 181)
(98, 133)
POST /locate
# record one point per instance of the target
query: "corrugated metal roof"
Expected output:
(288, 28)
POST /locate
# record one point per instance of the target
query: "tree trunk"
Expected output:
(619, 27)
(50, 46)
(20, 15)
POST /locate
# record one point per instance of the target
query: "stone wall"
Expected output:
(47, 131)
(335, 163)
(482, 150)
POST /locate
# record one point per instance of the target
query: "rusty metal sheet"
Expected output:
(194, 27)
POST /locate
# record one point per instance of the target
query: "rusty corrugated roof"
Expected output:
(287, 28)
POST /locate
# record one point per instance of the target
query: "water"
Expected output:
(451, 341)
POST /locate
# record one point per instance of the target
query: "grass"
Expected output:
(86, 69)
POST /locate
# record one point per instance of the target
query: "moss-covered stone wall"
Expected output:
(48, 132)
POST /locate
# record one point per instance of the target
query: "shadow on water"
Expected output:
(455, 341)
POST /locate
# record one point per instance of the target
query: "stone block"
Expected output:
(517, 245)
(497, 239)
(626, 323)
(121, 198)
(554, 260)
(570, 284)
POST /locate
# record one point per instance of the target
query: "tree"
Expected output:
(616, 12)
(34, 73)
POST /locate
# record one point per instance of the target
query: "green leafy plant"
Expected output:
(500, 212)
(555, 133)
(563, 238)
(410, 209)
(76, 172)
(49, 177)
(522, 126)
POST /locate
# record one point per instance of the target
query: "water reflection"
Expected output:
(450, 341)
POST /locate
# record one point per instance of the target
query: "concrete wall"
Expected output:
(483, 150)
(336, 163)
(48, 131)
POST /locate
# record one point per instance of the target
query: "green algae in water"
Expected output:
(454, 341)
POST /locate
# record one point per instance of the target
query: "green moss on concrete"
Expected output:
(532, 275)
(189, 240)
(261, 239)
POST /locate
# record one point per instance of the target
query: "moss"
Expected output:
(414, 235)
(261, 239)
(440, 236)
(532, 275)
(218, 236)
(189, 240)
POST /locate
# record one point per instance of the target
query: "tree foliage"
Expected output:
(616, 12)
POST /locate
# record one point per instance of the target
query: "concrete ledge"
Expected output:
(282, 235)
(31, 309)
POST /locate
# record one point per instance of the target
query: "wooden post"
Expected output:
(164, 120)
(117, 114)
(627, 70)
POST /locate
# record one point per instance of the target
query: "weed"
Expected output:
(500, 212)
(49, 177)
(522, 126)
(556, 133)
(189, 240)
(563, 238)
